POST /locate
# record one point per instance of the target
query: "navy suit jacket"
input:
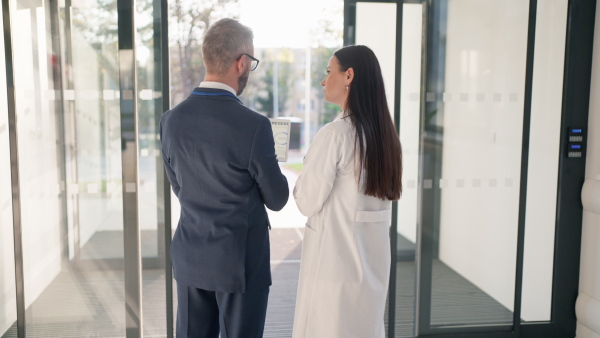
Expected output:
(220, 159)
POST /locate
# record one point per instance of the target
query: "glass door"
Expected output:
(471, 150)
(478, 90)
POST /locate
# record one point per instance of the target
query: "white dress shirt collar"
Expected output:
(216, 85)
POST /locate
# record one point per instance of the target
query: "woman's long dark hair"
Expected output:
(380, 151)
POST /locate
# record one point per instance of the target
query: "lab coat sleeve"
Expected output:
(319, 171)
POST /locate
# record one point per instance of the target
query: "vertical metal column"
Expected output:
(166, 187)
(394, 227)
(349, 22)
(130, 168)
(579, 56)
(157, 44)
(524, 166)
(14, 169)
(423, 290)
(70, 130)
(52, 23)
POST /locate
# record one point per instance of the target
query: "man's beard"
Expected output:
(242, 82)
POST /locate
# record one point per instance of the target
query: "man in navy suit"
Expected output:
(220, 159)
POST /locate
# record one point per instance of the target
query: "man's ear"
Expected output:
(349, 75)
(239, 65)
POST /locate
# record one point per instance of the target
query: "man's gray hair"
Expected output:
(224, 42)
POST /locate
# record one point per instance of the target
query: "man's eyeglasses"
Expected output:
(254, 61)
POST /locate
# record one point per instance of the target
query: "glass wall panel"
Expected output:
(8, 302)
(151, 169)
(473, 122)
(39, 167)
(91, 99)
(149, 110)
(92, 118)
(410, 95)
(542, 177)
(69, 154)
(376, 28)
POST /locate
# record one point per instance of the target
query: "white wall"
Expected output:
(588, 301)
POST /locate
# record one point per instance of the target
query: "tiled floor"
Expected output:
(90, 303)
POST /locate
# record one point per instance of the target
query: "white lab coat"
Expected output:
(345, 267)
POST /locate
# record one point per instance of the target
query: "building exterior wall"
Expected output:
(588, 301)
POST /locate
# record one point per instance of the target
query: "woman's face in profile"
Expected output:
(335, 83)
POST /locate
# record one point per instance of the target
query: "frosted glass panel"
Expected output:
(410, 94)
(410, 112)
(473, 141)
(542, 180)
(8, 310)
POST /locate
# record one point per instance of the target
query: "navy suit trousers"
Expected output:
(205, 314)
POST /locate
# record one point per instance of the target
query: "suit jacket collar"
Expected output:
(225, 94)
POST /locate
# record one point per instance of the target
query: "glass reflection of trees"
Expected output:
(188, 20)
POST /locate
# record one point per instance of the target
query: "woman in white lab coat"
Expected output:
(346, 189)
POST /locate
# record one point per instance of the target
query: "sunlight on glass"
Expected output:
(306, 33)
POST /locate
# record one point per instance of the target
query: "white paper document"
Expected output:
(281, 135)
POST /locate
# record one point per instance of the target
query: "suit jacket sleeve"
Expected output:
(168, 169)
(264, 168)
